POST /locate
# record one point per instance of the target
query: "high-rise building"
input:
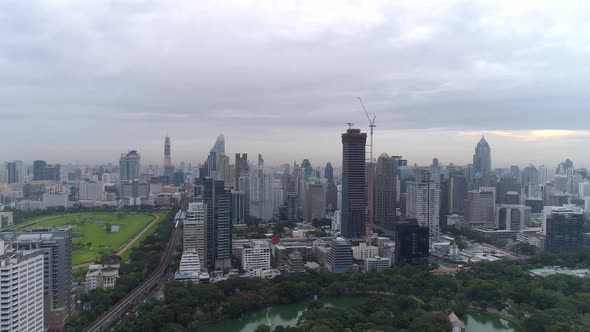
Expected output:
(423, 200)
(260, 193)
(91, 190)
(190, 261)
(307, 169)
(242, 167)
(217, 201)
(129, 166)
(215, 154)
(56, 245)
(45, 172)
(15, 172)
(329, 173)
(482, 164)
(168, 167)
(385, 189)
(195, 231)
(314, 206)
(411, 244)
(339, 258)
(354, 195)
(21, 304)
(479, 209)
(563, 229)
(457, 190)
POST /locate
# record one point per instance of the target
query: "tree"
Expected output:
(108, 227)
(263, 328)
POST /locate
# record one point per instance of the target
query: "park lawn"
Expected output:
(91, 240)
(150, 231)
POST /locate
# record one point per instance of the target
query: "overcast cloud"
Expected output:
(87, 80)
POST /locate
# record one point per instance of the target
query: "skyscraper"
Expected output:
(15, 172)
(482, 164)
(307, 169)
(354, 195)
(37, 166)
(242, 167)
(385, 189)
(168, 167)
(329, 173)
(194, 231)
(217, 201)
(423, 200)
(129, 166)
(411, 244)
(215, 154)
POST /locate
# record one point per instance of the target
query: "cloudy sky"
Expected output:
(86, 80)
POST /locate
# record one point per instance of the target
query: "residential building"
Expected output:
(314, 206)
(423, 200)
(195, 231)
(21, 294)
(15, 172)
(56, 245)
(354, 194)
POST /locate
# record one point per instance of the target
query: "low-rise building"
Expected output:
(364, 251)
(295, 263)
(256, 256)
(6, 219)
(102, 276)
(377, 263)
(281, 251)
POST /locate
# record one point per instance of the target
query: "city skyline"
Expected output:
(263, 73)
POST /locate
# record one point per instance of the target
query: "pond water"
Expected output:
(287, 315)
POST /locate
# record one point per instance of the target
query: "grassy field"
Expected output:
(150, 231)
(91, 239)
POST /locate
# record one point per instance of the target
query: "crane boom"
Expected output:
(371, 121)
(371, 175)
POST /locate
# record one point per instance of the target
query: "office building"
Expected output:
(238, 207)
(457, 191)
(21, 294)
(536, 204)
(281, 251)
(563, 229)
(377, 264)
(242, 167)
(482, 164)
(385, 189)
(479, 209)
(411, 244)
(135, 193)
(295, 263)
(46, 172)
(56, 245)
(339, 257)
(423, 200)
(314, 206)
(129, 166)
(329, 173)
(215, 154)
(190, 261)
(512, 217)
(55, 200)
(195, 231)
(217, 203)
(256, 255)
(354, 194)
(15, 172)
(92, 191)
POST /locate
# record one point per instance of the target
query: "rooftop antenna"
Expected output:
(350, 124)
(371, 193)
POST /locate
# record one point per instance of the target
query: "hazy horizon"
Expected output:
(86, 81)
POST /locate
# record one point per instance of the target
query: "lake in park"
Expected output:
(288, 314)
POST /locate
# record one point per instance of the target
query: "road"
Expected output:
(103, 322)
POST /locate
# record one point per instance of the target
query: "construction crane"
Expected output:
(371, 189)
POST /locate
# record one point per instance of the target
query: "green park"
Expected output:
(99, 234)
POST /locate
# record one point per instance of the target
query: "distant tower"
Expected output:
(482, 164)
(354, 194)
(129, 165)
(307, 169)
(329, 173)
(215, 155)
(168, 167)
